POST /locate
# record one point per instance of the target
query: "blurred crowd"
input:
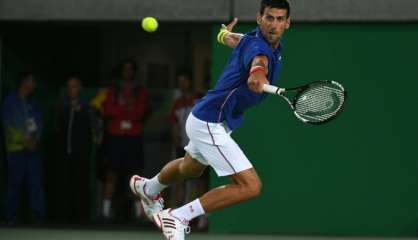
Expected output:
(109, 127)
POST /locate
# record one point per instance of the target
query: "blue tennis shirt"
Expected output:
(231, 96)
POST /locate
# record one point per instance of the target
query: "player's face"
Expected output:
(273, 23)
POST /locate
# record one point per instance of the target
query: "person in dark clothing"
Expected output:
(75, 138)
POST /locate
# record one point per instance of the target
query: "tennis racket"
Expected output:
(315, 103)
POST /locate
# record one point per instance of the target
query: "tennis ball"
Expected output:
(149, 24)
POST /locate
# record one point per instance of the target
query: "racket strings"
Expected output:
(320, 100)
(319, 103)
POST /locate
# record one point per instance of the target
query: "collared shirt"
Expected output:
(231, 95)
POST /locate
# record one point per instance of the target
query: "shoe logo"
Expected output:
(169, 223)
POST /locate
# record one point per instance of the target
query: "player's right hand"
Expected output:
(256, 82)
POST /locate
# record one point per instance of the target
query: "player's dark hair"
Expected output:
(280, 4)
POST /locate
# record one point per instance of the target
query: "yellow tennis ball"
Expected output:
(149, 24)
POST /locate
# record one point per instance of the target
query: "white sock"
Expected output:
(106, 208)
(154, 187)
(189, 211)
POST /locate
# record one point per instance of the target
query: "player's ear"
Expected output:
(259, 17)
(288, 23)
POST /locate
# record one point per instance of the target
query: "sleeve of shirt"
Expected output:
(254, 47)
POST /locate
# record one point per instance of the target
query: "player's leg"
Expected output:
(178, 191)
(211, 144)
(191, 165)
(149, 189)
(176, 171)
(245, 185)
(224, 155)
(180, 169)
(173, 172)
(198, 188)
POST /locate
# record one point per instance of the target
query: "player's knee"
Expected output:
(250, 190)
(183, 169)
(254, 189)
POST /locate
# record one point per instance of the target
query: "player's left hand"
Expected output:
(227, 37)
(231, 25)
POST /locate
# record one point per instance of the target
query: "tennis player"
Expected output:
(255, 60)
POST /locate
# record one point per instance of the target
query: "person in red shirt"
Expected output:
(125, 108)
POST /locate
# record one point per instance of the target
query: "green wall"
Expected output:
(358, 174)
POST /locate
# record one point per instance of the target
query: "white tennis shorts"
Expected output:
(211, 144)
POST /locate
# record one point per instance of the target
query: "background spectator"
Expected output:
(23, 130)
(125, 107)
(75, 141)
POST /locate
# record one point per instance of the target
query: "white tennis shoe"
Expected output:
(172, 227)
(151, 205)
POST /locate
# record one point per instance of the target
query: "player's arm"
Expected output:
(227, 37)
(258, 73)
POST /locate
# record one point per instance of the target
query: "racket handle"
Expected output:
(272, 89)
